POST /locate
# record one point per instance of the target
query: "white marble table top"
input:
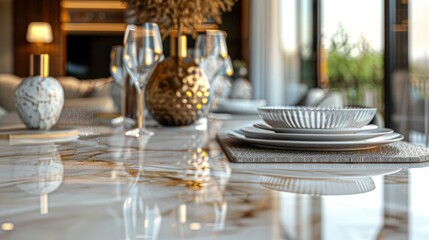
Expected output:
(178, 185)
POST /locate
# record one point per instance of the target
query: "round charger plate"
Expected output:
(333, 146)
(315, 130)
(253, 132)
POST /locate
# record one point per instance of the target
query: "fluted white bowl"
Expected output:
(316, 117)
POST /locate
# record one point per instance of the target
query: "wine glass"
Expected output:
(222, 85)
(211, 53)
(118, 74)
(200, 48)
(142, 52)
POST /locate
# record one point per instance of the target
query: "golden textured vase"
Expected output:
(177, 93)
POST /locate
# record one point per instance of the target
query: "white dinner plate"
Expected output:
(253, 132)
(334, 146)
(313, 131)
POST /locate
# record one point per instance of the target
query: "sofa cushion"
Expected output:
(75, 88)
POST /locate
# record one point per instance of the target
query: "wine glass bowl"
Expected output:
(211, 53)
(142, 51)
(216, 44)
(119, 75)
(117, 70)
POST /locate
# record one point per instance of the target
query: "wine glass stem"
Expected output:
(141, 105)
(123, 100)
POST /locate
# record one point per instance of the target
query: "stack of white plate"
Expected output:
(316, 129)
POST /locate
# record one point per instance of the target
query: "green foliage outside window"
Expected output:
(354, 68)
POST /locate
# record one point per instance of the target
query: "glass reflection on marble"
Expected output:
(201, 211)
(122, 149)
(202, 208)
(142, 217)
(198, 165)
(122, 178)
(40, 174)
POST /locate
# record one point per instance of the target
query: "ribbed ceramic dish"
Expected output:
(316, 118)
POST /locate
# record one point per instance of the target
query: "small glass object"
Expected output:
(142, 52)
(211, 53)
(118, 73)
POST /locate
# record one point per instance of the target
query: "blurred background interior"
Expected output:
(293, 52)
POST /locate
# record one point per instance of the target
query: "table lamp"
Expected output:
(39, 33)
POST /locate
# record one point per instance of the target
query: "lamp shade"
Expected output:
(39, 32)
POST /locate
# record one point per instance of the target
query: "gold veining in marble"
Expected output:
(179, 186)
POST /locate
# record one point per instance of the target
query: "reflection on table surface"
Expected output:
(178, 184)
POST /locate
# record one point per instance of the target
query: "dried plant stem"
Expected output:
(180, 15)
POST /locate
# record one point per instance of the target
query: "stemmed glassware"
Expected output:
(142, 52)
(211, 53)
(118, 72)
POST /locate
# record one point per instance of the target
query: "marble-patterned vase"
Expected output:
(39, 99)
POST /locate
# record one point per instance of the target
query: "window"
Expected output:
(351, 52)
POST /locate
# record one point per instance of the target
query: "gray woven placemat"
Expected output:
(399, 152)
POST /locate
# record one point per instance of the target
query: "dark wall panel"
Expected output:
(26, 11)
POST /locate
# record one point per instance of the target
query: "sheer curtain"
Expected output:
(274, 55)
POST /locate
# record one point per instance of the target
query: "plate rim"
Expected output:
(377, 132)
(302, 145)
(314, 108)
(265, 126)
